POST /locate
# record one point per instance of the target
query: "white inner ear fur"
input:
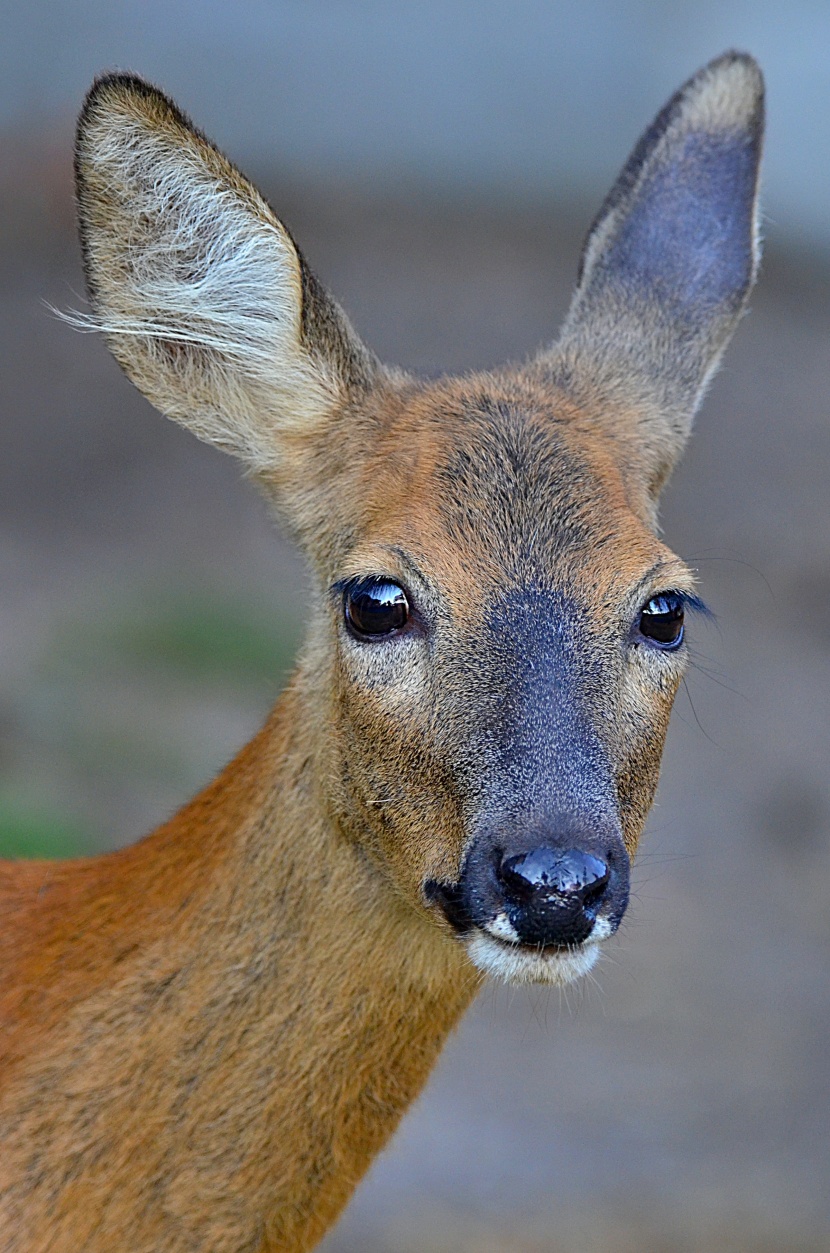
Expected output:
(197, 286)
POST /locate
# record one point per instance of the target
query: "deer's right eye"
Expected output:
(375, 607)
(661, 620)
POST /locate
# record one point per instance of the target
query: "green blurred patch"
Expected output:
(195, 637)
(39, 831)
(132, 708)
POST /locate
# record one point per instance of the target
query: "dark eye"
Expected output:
(661, 620)
(375, 607)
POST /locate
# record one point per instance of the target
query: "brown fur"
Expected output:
(205, 1038)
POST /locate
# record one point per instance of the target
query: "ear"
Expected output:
(203, 296)
(668, 266)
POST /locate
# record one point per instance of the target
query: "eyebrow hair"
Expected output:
(407, 561)
(690, 600)
(403, 557)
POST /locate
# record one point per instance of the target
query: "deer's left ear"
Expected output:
(668, 266)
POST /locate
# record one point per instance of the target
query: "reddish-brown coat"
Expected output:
(205, 1038)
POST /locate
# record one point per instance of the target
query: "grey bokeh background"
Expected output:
(439, 163)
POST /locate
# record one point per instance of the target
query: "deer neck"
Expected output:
(362, 992)
(277, 1004)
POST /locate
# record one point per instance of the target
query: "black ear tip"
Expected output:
(117, 87)
(734, 79)
(726, 95)
(122, 92)
(732, 65)
(734, 57)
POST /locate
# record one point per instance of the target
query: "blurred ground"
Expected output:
(148, 613)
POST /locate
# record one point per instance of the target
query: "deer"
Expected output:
(206, 1037)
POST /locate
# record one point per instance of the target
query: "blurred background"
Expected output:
(439, 163)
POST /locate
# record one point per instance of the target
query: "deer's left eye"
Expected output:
(375, 607)
(661, 620)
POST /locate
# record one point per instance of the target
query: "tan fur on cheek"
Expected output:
(393, 789)
(205, 1038)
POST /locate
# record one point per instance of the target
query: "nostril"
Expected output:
(569, 876)
(519, 877)
(593, 889)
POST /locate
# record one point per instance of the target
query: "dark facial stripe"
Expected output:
(517, 488)
(546, 667)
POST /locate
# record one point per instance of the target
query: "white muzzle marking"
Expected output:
(496, 950)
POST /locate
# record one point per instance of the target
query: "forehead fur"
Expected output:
(511, 474)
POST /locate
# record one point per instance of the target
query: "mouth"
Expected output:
(524, 963)
(502, 955)
(496, 948)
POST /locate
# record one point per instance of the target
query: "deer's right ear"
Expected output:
(203, 296)
(668, 266)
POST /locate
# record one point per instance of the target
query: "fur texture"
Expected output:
(205, 1038)
(196, 284)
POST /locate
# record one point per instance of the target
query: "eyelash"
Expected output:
(663, 628)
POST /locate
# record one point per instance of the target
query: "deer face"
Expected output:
(502, 632)
(507, 636)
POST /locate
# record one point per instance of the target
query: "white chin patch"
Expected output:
(513, 963)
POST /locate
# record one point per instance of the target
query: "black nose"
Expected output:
(553, 895)
(570, 876)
